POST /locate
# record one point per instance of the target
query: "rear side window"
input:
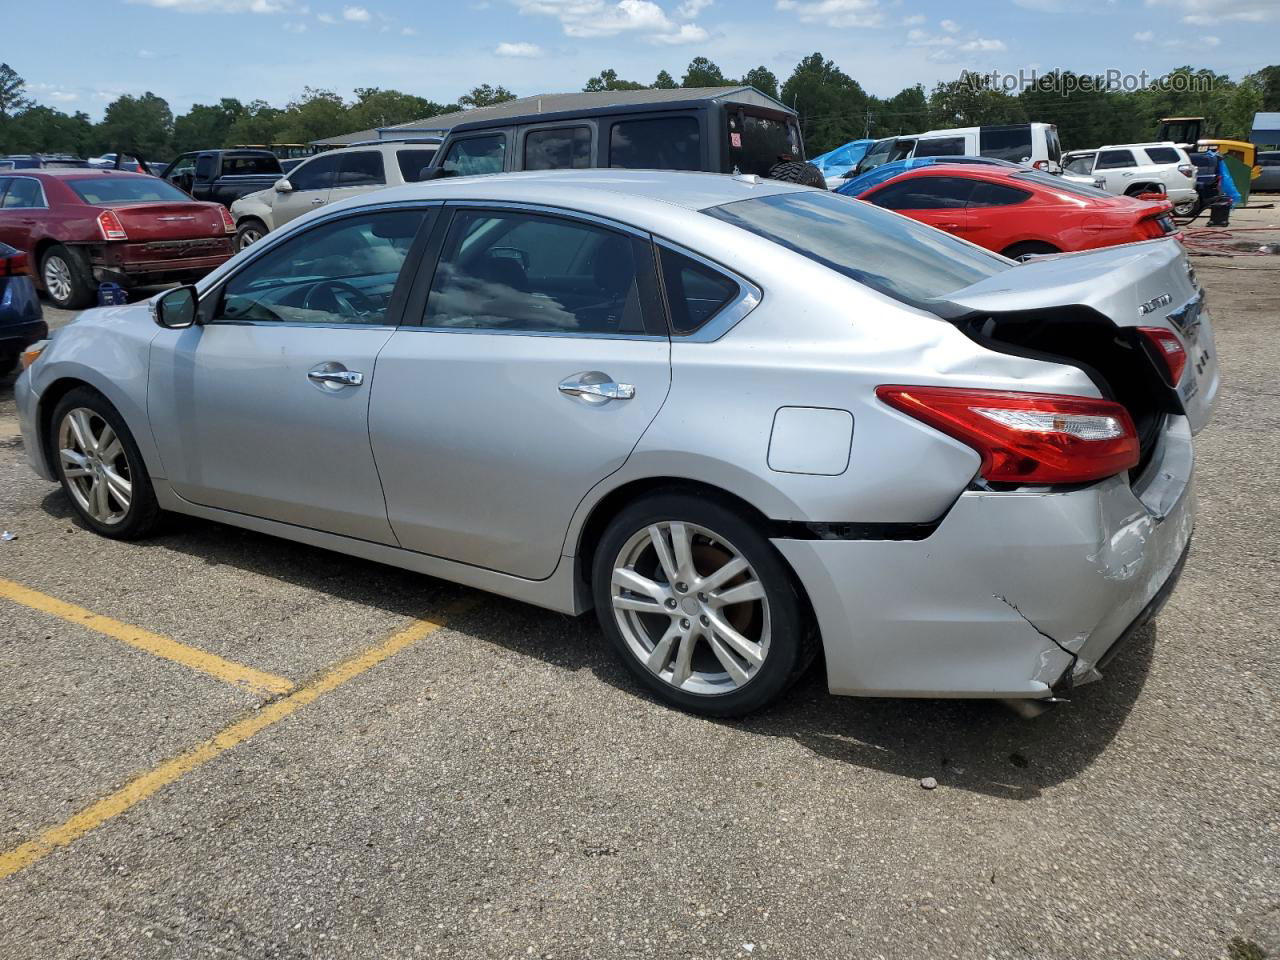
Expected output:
(317, 174)
(940, 147)
(1115, 159)
(924, 193)
(414, 163)
(475, 156)
(361, 169)
(25, 192)
(565, 148)
(206, 167)
(245, 166)
(1163, 155)
(900, 258)
(669, 143)
(1012, 144)
(695, 291)
(987, 194)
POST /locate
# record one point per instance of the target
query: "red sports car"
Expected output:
(83, 227)
(1020, 213)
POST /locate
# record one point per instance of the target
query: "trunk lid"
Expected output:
(1151, 284)
(148, 222)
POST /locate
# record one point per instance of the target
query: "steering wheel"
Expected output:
(355, 303)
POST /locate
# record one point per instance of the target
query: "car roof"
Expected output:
(79, 173)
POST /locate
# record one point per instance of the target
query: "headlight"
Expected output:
(32, 353)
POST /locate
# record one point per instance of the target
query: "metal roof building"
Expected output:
(553, 103)
(1266, 129)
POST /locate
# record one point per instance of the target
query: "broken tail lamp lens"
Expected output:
(1027, 438)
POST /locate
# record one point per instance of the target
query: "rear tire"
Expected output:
(100, 468)
(1031, 248)
(66, 278)
(249, 232)
(718, 647)
(797, 171)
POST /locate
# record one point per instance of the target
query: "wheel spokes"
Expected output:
(742, 593)
(665, 557)
(118, 486)
(628, 579)
(683, 667)
(747, 649)
(657, 661)
(74, 463)
(78, 421)
(731, 666)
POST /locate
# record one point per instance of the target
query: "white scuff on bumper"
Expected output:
(1011, 591)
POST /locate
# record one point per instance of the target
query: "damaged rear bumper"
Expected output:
(1015, 594)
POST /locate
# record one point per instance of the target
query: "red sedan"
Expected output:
(1020, 213)
(83, 227)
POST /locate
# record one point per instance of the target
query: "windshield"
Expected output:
(127, 189)
(896, 256)
(1063, 185)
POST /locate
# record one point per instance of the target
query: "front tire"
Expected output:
(66, 278)
(699, 606)
(100, 468)
(249, 232)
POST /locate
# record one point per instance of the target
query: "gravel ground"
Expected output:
(501, 790)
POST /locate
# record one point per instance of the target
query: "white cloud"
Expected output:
(922, 38)
(1044, 6)
(1204, 12)
(950, 26)
(408, 31)
(1144, 36)
(217, 6)
(1211, 41)
(691, 8)
(598, 18)
(518, 50)
(983, 45)
(355, 14)
(62, 96)
(837, 13)
(326, 18)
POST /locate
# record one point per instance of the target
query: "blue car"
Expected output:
(21, 317)
(887, 171)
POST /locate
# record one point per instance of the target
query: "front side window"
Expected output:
(940, 147)
(129, 188)
(1007, 143)
(565, 148)
(414, 163)
(475, 156)
(339, 272)
(924, 193)
(23, 192)
(317, 174)
(535, 274)
(901, 149)
(206, 167)
(669, 143)
(363, 168)
(183, 165)
(900, 258)
(877, 155)
(1115, 159)
(695, 291)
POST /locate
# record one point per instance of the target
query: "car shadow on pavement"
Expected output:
(974, 745)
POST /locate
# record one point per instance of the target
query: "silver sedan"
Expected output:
(750, 424)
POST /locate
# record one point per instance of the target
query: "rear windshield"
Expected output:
(1061, 184)
(898, 257)
(758, 144)
(127, 189)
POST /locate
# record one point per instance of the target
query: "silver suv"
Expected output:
(1134, 168)
(329, 177)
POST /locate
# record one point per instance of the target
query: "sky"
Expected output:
(81, 54)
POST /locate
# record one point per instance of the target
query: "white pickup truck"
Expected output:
(1133, 168)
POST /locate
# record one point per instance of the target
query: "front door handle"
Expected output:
(334, 376)
(317, 201)
(595, 387)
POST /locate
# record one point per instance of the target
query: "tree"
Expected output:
(375, 108)
(257, 124)
(13, 88)
(907, 111)
(140, 126)
(665, 81)
(485, 96)
(763, 80)
(41, 129)
(316, 114)
(608, 80)
(205, 126)
(703, 73)
(972, 101)
(833, 108)
(1268, 79)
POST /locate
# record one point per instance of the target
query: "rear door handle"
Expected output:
(317, 201)
(595, 388)
(334, 376)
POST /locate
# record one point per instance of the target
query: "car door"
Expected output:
(994, 220)
(22, 203)
(940, 202)
(539, 359)
(1117, 168)
(359, 171)
(476, 155)
(311, 183)
(263, 409)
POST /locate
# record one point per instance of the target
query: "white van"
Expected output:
(1033, 144)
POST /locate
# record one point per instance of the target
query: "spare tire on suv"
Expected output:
(798, 171)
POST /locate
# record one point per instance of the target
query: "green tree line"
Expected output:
(833, 108)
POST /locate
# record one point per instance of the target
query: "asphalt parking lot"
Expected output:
(218, 744)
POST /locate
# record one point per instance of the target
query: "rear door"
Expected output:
(359, 171)
(21, 206)
(539, 358)
(940, 202)
(312, 183)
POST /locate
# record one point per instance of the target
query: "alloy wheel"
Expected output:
(690, 608)
(249, 236)
(93, 461)
(57, 278)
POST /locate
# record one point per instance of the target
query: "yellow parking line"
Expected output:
(148, 783)
(256, 681)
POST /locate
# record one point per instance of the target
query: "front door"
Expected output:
(541, 358)
(312, 183)
(1117, 168)
(22, 204)
(264, 409)
(940, 202)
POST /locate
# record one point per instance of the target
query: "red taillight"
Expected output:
(1186, 169)
(1041, 165)
(228, 224)
(1027, 438)
(1170, 349)
(110, 226)
(14, 265)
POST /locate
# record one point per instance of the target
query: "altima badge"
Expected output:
(1152, 305)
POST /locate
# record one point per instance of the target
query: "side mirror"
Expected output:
(176, 309)
(284, 186)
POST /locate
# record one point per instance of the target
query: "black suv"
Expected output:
(714, 129)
